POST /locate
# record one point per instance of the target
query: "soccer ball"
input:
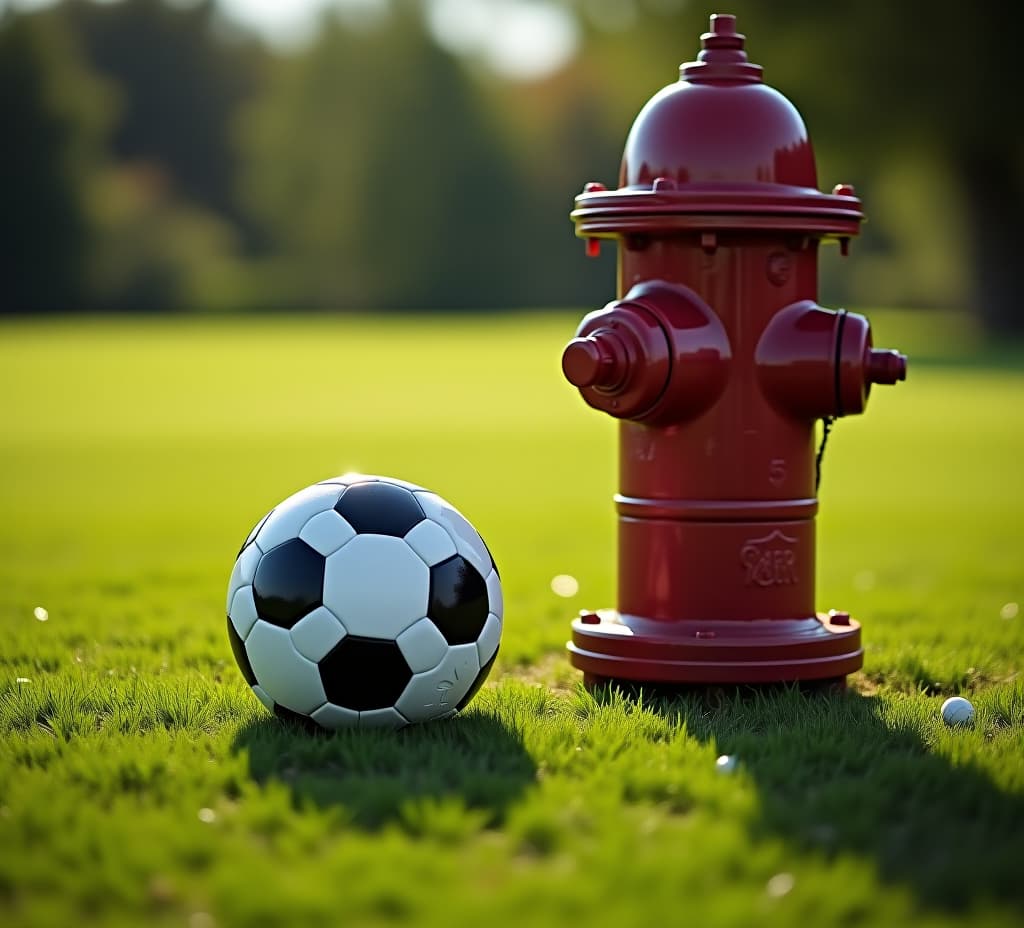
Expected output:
(364, 601)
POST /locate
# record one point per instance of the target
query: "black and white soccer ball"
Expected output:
(364, 600)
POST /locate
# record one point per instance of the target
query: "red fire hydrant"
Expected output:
(718, 363)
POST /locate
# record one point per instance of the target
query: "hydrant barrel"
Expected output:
(718, 362)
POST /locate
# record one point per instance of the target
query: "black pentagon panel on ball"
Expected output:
(379, 509)
(458, 600)
(289, 583)
(477, 683)
(238, 649)
(364, 673)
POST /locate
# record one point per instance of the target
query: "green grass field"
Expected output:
(141, 783)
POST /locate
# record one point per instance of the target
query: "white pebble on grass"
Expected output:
(1009, 611)
(779, 885)
(726, 763)
(40, 613)
(565, 585)
(207, 815)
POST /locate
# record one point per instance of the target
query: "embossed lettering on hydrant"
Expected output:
(769, 561)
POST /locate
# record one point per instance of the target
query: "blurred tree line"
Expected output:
(155, 159)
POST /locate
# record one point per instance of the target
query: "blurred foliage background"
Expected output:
(158, 155)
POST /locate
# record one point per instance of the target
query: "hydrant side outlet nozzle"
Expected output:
(718, 361)
(818, 363)
(660, 354)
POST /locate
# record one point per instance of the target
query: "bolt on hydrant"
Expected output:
(718, 363)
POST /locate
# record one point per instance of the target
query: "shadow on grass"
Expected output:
(838, 774)
(379, 776)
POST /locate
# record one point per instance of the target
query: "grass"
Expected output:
(141, 782)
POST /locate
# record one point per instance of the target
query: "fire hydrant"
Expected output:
(718, 363)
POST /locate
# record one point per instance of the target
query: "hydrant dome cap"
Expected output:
(719, 123)
(718, 149)
(698, 133)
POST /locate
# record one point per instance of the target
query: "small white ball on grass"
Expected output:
(957, 711)
(726, 763)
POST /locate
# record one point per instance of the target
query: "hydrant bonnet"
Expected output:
(713, 149)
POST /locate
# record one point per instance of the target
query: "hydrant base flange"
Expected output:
(608, 645)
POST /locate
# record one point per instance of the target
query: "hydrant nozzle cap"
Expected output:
(722, 57)
(886, 367)
(583, 362)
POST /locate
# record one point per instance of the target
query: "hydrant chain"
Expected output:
(826, 428)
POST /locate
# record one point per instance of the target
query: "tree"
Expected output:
(181, 83)
(925, 85)
(55, 113)
(381, 175)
